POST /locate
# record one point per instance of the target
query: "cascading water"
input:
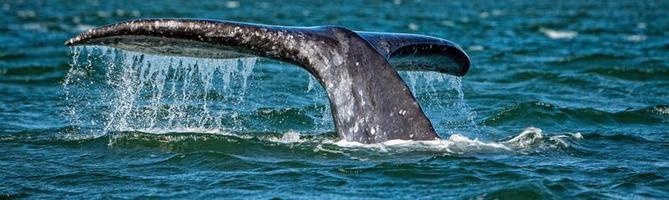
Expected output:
(155, 93)
(445, 106)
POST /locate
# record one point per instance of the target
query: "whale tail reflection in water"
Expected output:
(370, 103)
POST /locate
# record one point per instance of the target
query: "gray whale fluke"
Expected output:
(370, 103)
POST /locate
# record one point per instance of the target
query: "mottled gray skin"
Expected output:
(370, 102)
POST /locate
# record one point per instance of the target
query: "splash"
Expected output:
(151, 92)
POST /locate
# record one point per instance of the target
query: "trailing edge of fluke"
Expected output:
(370, 103)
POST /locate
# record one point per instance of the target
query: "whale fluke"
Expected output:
(370, 103)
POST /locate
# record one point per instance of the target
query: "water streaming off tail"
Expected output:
(442, 98)
(133, 91)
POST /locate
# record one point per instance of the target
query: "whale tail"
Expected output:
(370, 103)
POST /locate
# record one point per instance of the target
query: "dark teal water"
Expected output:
(564, 100)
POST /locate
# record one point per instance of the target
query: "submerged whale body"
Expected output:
(370, 103)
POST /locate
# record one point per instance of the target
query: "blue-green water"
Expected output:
(564, 100)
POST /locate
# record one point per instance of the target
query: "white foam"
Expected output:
(529, 139)
(288, 137)
(635, 38)
(456, 143)
(558, 34)
(525, 139)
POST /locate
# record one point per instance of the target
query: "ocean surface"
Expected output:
(564, 100)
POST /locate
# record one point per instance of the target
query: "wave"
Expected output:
(531, 140)
(537, 112)
(33, 74)
(455, 144)
(279, 146)
(584, 76)
(178, 151)
(635, 74)
(598, 57)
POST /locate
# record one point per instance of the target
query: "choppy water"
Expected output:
(564, 100)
